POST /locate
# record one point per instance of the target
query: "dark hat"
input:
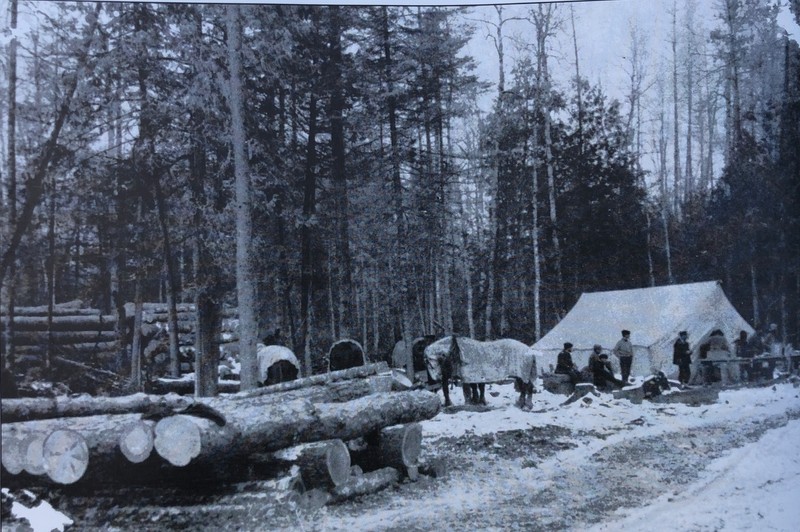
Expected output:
(567, 345)
(683, 333)
(625, 332)
(597, 347)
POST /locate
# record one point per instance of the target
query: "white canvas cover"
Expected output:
(268, 355)
(492, 361)
(653, 315)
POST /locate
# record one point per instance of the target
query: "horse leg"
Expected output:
(482, 398)
(467, 389)
(446, 391)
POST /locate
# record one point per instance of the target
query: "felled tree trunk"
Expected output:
(323, 378)
(84, 405)
(365, 484)
(95, 322)
(398, 447)
(64, 337)
(33, 408)
(253, 427)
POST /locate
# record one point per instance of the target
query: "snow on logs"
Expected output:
(208, 443)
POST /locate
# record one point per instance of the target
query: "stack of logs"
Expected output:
(155, 319)
(339, 435)
(78, 334)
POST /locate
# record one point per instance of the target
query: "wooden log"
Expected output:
(32, 408)
(65, 456)
(323, 378)
(256, 427)
(73, 350)
(557, 383)
(365, 484)
(67, 308)
(137, 441)
(62, 337)
(31, 450)
(178, 440)
(324, 464)
(581, 389)
(85, 405)
(186, 386)
(691, 396)
(12, 454)
(398, 446)
(104, 322)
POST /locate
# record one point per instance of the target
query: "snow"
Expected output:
(42, 516)
(754, 487)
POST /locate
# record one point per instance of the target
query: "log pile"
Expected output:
(73, 332)
(155, 318)
(315, 431)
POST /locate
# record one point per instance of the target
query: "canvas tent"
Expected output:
(653, 315)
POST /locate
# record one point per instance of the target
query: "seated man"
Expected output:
(565, 365)
(602, 373)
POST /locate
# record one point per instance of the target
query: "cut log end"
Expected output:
(412, 444)
(136, 442)
(177, 440)
(65, 456)
(13, 457)
(325, 464)
(337, 458)
(32, 459)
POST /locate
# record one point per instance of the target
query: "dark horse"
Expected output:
(476, 363)
(276, 364)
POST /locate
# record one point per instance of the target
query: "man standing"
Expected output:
(624, 351)
(682, 357)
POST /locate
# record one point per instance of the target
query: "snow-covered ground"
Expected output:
(597, 464)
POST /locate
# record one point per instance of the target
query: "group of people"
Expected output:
(715, 351)
(599, 370)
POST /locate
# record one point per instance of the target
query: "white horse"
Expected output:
(476, 363)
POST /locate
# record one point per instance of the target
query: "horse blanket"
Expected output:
(482, 362)
(268, 355)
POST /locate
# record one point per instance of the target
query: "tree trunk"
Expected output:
(323, 378)
(245, 272)
(365, 484)
(96, 323)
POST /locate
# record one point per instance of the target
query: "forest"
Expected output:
(330, 172)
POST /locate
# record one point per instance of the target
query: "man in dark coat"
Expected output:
(565, 365)
(602, 374)
(682, 357)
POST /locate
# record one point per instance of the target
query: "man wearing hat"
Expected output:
(565, 365)
(682, 357)
(602, 374)
(624, 351)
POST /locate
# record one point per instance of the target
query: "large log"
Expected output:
(398, 447)
(85, 405)
(32, 408)
(365, 484)
(78, 350)
(256, 427)
(185, 386)
(104, 322)
(62, 337)
(323, 378)
(67, 308)
(323, 464)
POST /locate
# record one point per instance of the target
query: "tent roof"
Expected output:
(653, 315)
